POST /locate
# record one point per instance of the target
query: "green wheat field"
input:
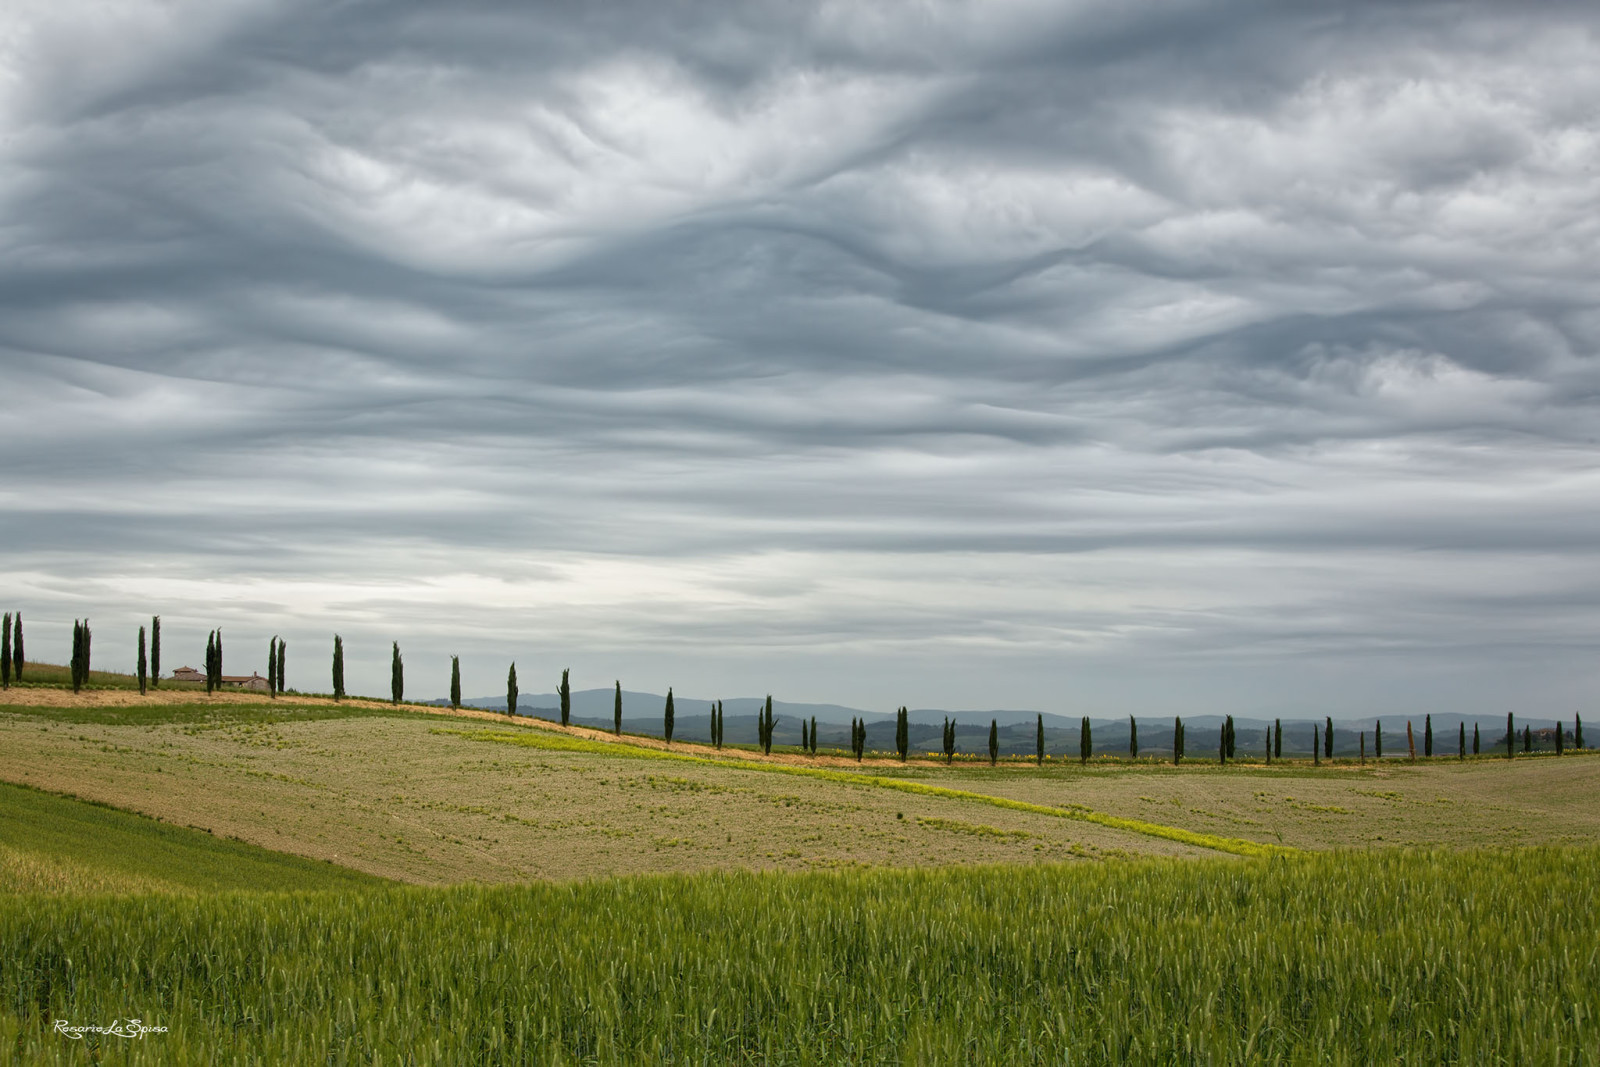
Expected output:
(301, 882)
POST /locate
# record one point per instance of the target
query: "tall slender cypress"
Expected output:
(1527, 739)
(805, 737)
(994, 741)
(1577, 730)
(511, 689)
(1327, 738)
(902, 734)
(455, 681)
(1222, 743)
(1363, 747)
(766, 729)
(278, 667)
(19, 659)
(667, 716)
(272, 667)
(1377, 740)
(155, 652)
(1411, 743)
(211, 661)
(338, 667)
(5, 653)
(1558, 737)
(1427, 736)
(1228, 734)
(1463, 745)
(716, 724)
(566, 701)
(218, 682)
(1277, 738)
(1038, 742)
(77, 654)
(144, 664)
(1316, 747)
(1269, 743)
(1085, 741)
(1511, 738)
(397, 675)
(616, 712)
(1475, 738)
(1177, 741)
(813, 735)
(1133, 738)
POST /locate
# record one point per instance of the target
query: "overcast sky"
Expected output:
(1209, 357)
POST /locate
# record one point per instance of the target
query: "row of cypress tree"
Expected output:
(11, 657)
(80, 654)
(213, 662)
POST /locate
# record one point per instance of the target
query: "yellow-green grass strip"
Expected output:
(563, 743)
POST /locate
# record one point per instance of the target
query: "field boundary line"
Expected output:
(560, 743)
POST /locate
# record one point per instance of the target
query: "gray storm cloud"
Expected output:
(1204, 356)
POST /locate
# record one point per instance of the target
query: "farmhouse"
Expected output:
(229, 681)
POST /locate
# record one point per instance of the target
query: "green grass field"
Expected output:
(587, 901)
(1376, 957)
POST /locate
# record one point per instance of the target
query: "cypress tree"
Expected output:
(1085, 741)
(155, 652)
(1269, 743)
(994, 741)
(144, 664)
(1228, 724)
(1577, 730)
(1363, 748)
(813, 735)
(766, 731)
(1463, 747)
(902, 734)
(211, 660)
(1475, 748)
(616, 711)
(1177, 741)
(805, 737)
(1133, 738)
(1327, 738)
(1038, 742)
(667, 716)
(1427, 737)
(77, 653)
(1222, 743)
(272, 667)
(1316, 748)
(279, 667)
(1411, 743)
(5, 653)
(87, 638)
(455, 681)
(1511, 738)
(1558, 737)
(18, 658)
(566, 702)
(397, 675)
(1277, 738)
(511, 690)
(219, 658)
(1527, 739)
(1377, 740)
(338, 667)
